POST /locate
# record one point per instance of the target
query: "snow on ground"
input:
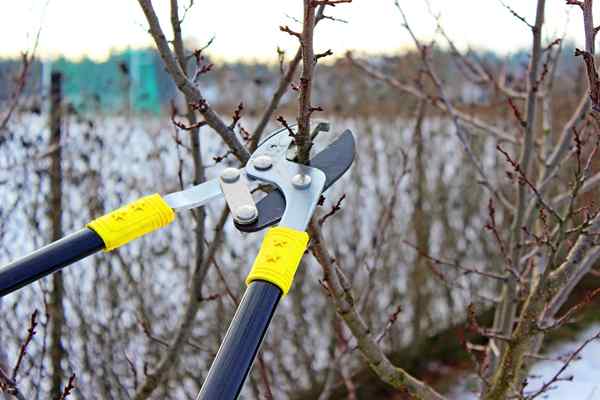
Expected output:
(585, 371)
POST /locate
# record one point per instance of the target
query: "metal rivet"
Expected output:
(262, 163)
(301, 181)
(245, 214)
(230, 175)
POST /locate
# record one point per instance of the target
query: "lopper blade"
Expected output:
(334, 161)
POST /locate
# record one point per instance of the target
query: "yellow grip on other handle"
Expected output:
(132, 221)
(279, 257)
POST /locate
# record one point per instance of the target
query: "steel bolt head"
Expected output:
(245, 214)
(262, 163)
(230, 175)
(301, 181)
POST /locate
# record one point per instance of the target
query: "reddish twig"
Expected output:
(467, 270)
(146, 329)
(480, 361)
(332, 3)
(578, 149)
(478, 329)
(287, 29)
(246, 136)
(9, 386)
(390, 322)
(20, 85)
(557, 376)
(491, 226)
(202, 66)
(201, 106)
(552, 44)
(516, 15)
(523, 180)
(335, 208)
(323, 54)
(264, 377)
(285, 124)
(571, 312)
(133, 370)
(313, 109)
(218, 159)
(181, 125)
(517, 113)
(69, 388)
(237, 115)
(185, 127)
(592, 75)
(30, 334)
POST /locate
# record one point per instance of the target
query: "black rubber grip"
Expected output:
(238, 350)
(49, 259)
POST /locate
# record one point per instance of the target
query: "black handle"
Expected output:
(49, 259)
(242, 341)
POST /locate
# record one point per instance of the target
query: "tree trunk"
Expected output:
(55, 306)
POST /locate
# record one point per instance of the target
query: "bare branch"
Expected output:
(10, 386)
(332, 3)
(288, 30)
(592, 75)
(417, 93)
(334, 208)
(516, 15)
(69, 388)
(505, 313)
(302, 138)
(23, 351)
(187, 87)
(323, 54)
(237, 115)
(460, 130)
(285, 124)
(556, 377)
(373, 354)
(20, 85)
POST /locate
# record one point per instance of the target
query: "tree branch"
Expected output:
(302, 137)
(367, 345)
(505, 313)
(187, 87)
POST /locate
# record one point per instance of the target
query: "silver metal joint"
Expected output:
(263, 163)
(245, 214)
(230, 175)
(301, 181)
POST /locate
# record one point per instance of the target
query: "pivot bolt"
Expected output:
(262, 163)
(301, 181)
(230, 175)
(245, 214)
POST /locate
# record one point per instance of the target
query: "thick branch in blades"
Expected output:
(302, 138)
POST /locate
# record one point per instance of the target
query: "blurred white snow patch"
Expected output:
(585, 370)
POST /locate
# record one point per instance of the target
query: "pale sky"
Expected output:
(249, 29)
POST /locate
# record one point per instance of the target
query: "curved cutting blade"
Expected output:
(334, 161)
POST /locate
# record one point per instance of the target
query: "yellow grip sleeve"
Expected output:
(132, 221)
(279, 257)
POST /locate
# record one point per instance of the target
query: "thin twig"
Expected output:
(23, 351)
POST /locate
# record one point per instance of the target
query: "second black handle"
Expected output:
(49, 259)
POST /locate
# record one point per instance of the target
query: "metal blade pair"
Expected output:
(333, 161)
